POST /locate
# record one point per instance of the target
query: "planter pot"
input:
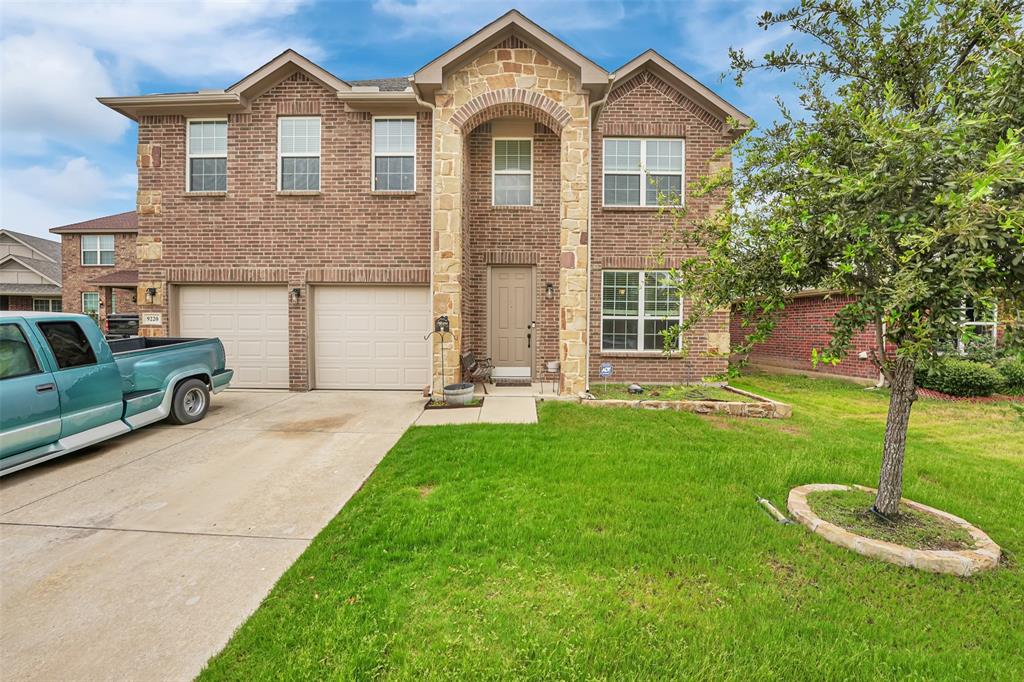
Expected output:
(458, 394)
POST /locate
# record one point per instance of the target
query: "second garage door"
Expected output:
(252, 323)
(371, 337)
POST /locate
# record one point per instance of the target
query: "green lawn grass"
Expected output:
(627, 544)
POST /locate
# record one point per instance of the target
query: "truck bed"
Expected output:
(134, 343)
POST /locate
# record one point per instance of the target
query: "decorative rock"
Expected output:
(983, 557)
(635, 388)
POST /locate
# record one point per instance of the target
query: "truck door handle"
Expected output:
(43, 388)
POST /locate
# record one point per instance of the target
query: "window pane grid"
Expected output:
(98, 249)
(207, 156)
(637, 307)
(394, 152)
(513, 172)
(636, 170)
(299, 149)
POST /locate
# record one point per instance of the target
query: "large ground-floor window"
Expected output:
(46, 305)
(91, 304)
(637, 307)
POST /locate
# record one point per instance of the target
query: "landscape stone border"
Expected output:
(984, 556)
(764, 408)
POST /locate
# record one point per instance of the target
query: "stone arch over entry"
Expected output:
(511, 103)
(512, 83)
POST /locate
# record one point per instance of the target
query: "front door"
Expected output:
(510, 316)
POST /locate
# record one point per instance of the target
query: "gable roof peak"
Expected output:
(428, 78)
(274, 70)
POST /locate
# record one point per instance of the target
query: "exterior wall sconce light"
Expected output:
(549, 290)
(294, 295)
(150, 294)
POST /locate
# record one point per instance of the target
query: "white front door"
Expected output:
(371, 336)
(251, 322)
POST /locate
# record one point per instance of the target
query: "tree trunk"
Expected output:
(901, 399)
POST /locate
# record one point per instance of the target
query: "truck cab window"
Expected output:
(69, 344)
(16, 357)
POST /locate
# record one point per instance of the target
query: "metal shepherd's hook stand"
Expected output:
(441, 327)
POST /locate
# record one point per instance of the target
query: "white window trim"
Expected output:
(281, 156)
(49, 300)
(993, 323)
(642, 171)
(374, 154)
(99, 301)
(82, 250)
(639, 317)
(189, 155)
(495, 172)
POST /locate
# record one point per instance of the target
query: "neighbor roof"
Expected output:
(46, 268)
(119, 222)
(384, 84)
(48, 247)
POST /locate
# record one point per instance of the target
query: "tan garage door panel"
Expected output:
(371, 337)
(252, 323)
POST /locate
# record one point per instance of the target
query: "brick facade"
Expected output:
(253, 233)
(75, 277)
(630, 238)
(806, 324)
(512, 235)
(446, 233)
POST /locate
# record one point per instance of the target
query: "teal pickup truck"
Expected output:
(64, 387)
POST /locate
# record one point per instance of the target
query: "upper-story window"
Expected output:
(513, 172)
(394, 154)
(298, 148)
(97, 249)
(637, 170)
(207, 156)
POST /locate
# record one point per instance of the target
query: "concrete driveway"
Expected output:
(138, 558)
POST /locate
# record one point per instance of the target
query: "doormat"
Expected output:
(512, 381)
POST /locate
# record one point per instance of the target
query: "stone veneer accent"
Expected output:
(983, 557)
(503, 82)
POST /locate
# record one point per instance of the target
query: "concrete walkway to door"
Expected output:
(138, 558)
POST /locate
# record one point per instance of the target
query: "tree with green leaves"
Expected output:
(900, 181)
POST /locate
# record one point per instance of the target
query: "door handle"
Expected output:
(529, 336)
(43, 388)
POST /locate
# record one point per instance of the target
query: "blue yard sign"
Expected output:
(606, 370)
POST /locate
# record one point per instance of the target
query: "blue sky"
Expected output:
(64, 157)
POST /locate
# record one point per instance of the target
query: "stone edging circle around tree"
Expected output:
(984, 556)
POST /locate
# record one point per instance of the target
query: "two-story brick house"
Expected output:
(319, 225)
(98, 265)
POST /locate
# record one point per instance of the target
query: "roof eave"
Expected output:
(196, 104)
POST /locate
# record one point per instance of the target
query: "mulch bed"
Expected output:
(998, 398)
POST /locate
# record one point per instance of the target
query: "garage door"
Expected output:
(252, 323)
(371, 337)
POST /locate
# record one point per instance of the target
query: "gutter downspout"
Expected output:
(430, 239)
(590, 223)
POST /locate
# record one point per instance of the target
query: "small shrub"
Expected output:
(960, 377)
(1012, 370)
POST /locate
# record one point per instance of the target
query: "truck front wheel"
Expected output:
(190, 403)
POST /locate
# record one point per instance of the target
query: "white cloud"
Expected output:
(459, 19)
(49, 88)
(177, 39)
(39, 197)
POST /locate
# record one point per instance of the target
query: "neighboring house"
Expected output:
(318, 226)
(99, 273)
(806, 324)
(29, 272)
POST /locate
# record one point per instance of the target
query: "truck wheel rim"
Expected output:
(195, 401)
